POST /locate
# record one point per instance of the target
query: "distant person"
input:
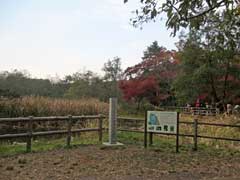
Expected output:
(206, 105)
(197, 104)
(236, 109)
(218, 107)
(188, 107)
(207, 108)
(229, 109)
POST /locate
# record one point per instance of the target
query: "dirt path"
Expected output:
(130, 163)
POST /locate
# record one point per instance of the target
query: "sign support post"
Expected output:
(150, 138)
(177, 134)
(145, 130)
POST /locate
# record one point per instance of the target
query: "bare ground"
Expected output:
(130, 163)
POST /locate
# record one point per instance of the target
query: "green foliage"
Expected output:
(86, 85)
(112, 74)
(8, 93)
(152, 50)
(89, 84)
(112, 69)
(210, 56)
(78, 85)
(208, 65)
(183, 13)
(17, 83)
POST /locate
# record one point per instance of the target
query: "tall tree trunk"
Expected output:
(138, 104)
(213, 90)
(225, 85)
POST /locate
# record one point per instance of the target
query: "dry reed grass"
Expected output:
(43, 106)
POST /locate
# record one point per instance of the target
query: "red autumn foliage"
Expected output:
(152, 63)
(138, 88)
(145, 79)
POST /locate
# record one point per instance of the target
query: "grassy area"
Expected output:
(161, 144)
(167, 144)
(46, 144)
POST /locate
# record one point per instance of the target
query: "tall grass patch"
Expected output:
(44, 106)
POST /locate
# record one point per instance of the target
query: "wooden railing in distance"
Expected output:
(202, 111)
(70, 119)
(195, 125)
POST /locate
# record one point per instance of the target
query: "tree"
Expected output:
(210, 62)
(112, 69)
(210, 55)
(86, 84)
(183, 13)
(137, 89)
(6, 93)
(152, 50)
(113, 72)
(151, 79)
(20, 83)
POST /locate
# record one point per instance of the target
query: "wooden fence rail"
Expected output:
(30, 133)
(195, 125)
(50, 118)
(69, 131)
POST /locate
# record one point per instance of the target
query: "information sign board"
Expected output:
(164, 122)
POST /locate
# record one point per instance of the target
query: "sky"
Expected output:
(59, 37)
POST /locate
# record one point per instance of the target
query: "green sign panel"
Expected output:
(164, 122)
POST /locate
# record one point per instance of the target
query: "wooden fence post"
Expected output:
(100, 121)
(69, 128)
(195, 129)
(29, 138)
(177, 134)
(145, 130)
(150, 138)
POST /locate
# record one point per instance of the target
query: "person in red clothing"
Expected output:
(197, 104)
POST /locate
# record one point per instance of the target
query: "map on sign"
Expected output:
(164, 122)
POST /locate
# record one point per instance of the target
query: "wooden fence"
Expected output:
(138, 125)
(123, 122)
(69, 119)
(202, 111)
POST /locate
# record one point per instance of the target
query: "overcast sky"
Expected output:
(49, 37)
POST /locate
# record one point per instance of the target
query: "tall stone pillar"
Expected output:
(113, 121)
